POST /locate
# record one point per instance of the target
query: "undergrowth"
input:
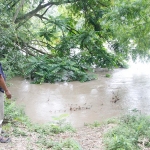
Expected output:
(43, 69)
(129, 132)
(17, 124)
(132, 132)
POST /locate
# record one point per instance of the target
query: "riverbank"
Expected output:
(53, 136)
(85, 138)
(127, 132)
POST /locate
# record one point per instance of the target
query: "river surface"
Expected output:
(97, 100)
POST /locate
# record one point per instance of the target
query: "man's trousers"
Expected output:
(1, 110)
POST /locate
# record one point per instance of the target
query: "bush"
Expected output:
(45, 69)
(129, 133)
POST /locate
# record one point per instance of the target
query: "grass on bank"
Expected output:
(129, 132)
(17, 124)
(132, 132)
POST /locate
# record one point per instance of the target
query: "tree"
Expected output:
(28, 29)
(129, 21)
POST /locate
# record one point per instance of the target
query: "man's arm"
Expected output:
(4, 87)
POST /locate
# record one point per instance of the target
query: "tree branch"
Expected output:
(37, 49)
(43, 43)
(18, 9)
(46, 10)
(41, 16)
(40, 7)
(67, 27)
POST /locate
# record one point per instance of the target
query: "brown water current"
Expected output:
(97, 100)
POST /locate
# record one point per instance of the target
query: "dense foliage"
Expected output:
(70, 34)
(131, 132)
(56, 69)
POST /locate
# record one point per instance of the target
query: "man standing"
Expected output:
(3, 89)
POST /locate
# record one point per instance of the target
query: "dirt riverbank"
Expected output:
(89, 138)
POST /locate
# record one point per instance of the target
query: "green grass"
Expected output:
(129, 133)
(14, 114)
(108, 75)
(67, 144)
(94, 124)
(17, 124)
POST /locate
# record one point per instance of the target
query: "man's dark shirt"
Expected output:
(3, 75)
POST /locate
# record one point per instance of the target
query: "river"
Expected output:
(97, 100)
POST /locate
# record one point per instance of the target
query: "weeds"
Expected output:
(128, 134)
(52, 128)
(67, 144)
(14, 114)
(95, 124)
(108, 75)
(17, 124)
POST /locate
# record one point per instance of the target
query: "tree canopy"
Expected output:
(59, 40)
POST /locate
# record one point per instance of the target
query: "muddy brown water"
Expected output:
(97, 100)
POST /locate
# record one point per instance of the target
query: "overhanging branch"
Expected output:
(40, 7)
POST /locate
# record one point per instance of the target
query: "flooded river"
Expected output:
(96, 100)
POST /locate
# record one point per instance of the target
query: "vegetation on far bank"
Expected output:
(60, 40)
(129, 132)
